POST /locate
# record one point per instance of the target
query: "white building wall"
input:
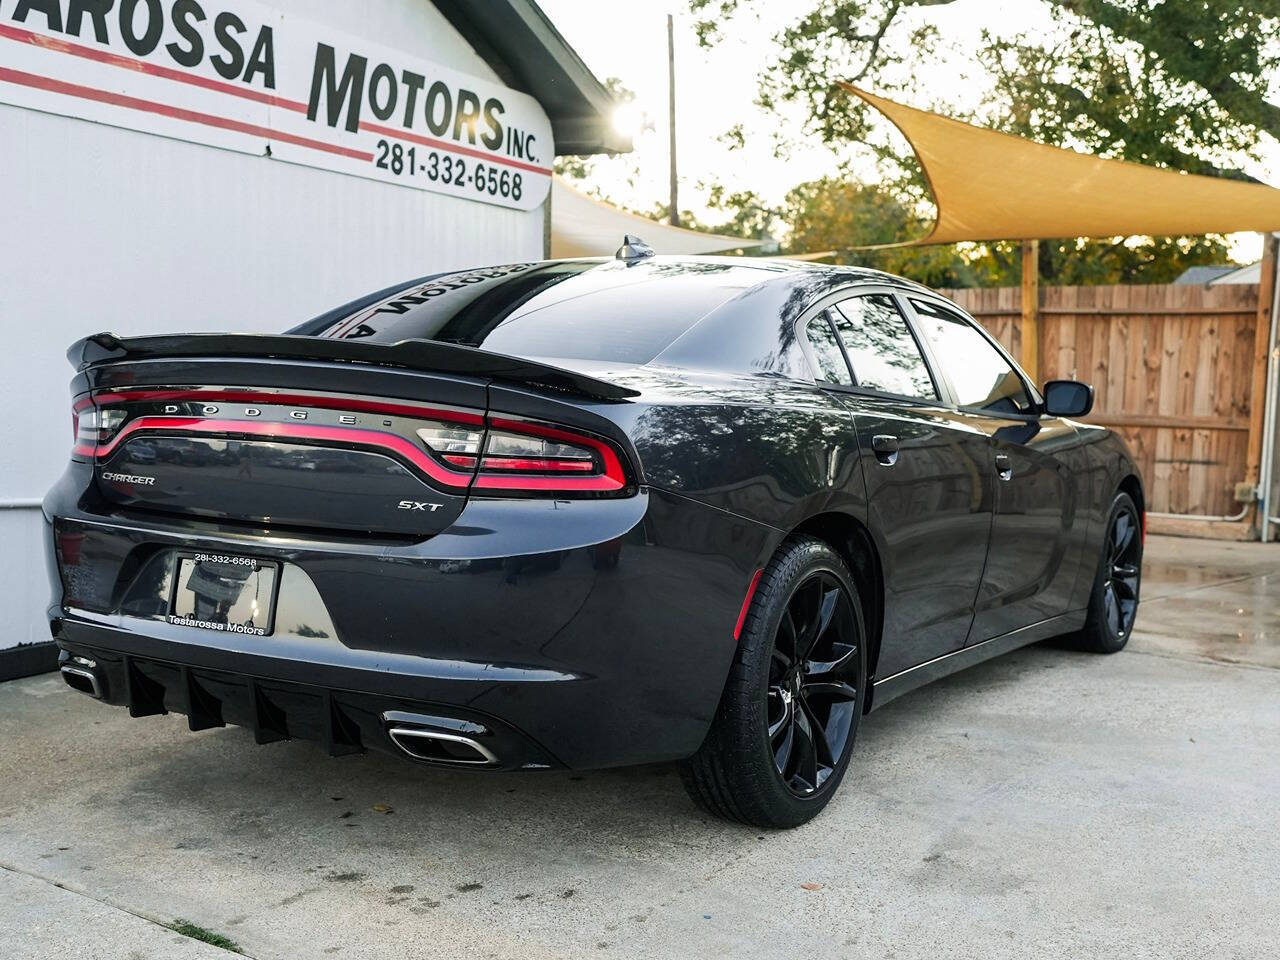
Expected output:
(103, 228)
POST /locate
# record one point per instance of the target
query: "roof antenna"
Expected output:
(633, 249)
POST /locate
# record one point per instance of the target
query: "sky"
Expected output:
(717, 88)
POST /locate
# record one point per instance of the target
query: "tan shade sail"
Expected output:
(584, 227)
(995, 186)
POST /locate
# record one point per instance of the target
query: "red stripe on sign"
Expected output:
(451, 147)
(175, 113)
(59, 45)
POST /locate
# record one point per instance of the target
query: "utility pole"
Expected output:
(674, 209)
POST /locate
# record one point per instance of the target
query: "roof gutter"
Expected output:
(528, 53)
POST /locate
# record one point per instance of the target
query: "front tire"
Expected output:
(781, 739)
(1113, 604)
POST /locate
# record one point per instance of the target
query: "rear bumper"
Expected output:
(343, 721)
(584, 633)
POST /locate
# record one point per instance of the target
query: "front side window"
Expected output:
(884, 354)
(979, 375)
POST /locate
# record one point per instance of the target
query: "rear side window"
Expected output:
(826, 350)
(979, 375)
(881, 348)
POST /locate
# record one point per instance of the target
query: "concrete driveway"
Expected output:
(1046, 804)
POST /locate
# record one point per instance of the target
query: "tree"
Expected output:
(838, 214)
(1132, 79)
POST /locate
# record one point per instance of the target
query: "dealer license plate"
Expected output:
(226, 593)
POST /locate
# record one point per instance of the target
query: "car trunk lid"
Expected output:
(237, 427)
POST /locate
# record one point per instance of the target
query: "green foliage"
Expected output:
(197, 932)
(838, 214)
(1177, 83)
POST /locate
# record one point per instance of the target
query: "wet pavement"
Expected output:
(1210, 599)
(1044, 804)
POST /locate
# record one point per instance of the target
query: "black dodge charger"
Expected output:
(584, 513)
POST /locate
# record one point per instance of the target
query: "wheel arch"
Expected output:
(851, 539)
(1132, 485)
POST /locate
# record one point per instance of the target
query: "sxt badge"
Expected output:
(418, 505)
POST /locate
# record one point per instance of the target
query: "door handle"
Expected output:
(885, 447)
(1004, 467)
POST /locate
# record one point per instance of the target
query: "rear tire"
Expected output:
(1113, 604)
(781, 739)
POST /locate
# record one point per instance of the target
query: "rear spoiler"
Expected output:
(425, 355)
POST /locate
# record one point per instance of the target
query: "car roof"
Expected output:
(623, 311)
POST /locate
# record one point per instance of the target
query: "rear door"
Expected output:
(1033, 556)
(929, 475)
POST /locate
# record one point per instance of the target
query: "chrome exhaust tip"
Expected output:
(441, 740)
(80, 675)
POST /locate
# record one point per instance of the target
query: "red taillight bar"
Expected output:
(301, 431)
(542, 475)
(322, 401)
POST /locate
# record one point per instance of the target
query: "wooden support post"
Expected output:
(1261, 343)
(673, 210)
(1031, 309)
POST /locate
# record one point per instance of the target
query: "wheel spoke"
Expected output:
(841, 654)
(788, 631)
(807, 754)
(1125, 588)
(818, 730)
(827, 610)
(834, 690)
(1112, 609)
(782, 755)
(777, 728)
(807, 615)
(1122, 536)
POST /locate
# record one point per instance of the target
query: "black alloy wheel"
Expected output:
(812, 691)
(1113, 605)
(781, 739)
(1124, 568)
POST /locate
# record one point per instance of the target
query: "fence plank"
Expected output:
(1173, 367)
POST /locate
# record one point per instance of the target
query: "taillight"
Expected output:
(95, 426)
(457, 445)
(515, 456)
(463, 449)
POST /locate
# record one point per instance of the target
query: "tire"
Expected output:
(1113, 603)
(736, 772)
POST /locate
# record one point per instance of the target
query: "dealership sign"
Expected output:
(237, 75)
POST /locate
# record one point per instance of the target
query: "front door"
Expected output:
(1036, 534)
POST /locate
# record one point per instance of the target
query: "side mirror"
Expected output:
(1067, 398)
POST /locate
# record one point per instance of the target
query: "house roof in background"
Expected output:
(1197, 276)
(1212, 276)
(528, 53)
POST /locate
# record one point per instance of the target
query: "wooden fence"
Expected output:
(1173, 368)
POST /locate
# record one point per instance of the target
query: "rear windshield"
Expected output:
(577, 310)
